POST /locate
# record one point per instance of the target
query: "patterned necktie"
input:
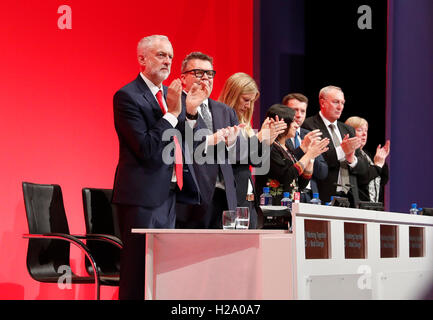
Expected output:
(344, 169)
(178, 166)
(205, 112)
(297, 144)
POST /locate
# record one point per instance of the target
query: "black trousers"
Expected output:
(133, 254)
(203, 216)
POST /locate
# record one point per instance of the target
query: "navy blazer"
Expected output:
(328, 187)
(320, 168)
(206, 173)
(142, 178)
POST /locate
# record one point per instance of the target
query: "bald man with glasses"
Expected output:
(215, 180)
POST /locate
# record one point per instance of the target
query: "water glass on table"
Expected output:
(229, 219)
(242, 218)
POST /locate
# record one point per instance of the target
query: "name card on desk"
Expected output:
(388, 241)
(354, 240)
(416, 242)
(316, 239)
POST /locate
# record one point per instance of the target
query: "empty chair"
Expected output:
(101, 221)
(49, 239)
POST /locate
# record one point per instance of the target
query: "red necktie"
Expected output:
(177, 150)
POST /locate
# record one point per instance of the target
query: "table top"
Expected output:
(210, 231)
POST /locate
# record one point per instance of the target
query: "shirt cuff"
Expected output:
(354, 163)
(171, 118)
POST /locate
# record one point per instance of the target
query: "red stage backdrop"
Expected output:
(56, 89)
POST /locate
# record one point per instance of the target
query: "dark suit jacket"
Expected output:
(142, 178)
(327, 187)
(320, 168)
(283, 170)
(206, 173)
(373, 171)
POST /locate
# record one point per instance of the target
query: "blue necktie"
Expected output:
(297, 144)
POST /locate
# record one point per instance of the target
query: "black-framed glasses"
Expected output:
(199, 73)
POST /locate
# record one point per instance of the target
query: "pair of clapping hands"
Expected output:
(196, 95)
(270, 130)
(348, 145)
(194, 98)
(313, 144)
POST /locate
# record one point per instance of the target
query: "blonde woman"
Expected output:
(240, 92)
(372, 184)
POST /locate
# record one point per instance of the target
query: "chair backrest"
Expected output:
(45, 214)
(100, 215)
(101, 218)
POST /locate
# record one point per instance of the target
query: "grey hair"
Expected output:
(324, 91)
(145, 42)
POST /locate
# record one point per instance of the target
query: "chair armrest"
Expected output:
(102, 237)
(73, 240)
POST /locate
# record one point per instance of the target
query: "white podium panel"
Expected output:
(333, 253)
(219, 264)
(397, 261)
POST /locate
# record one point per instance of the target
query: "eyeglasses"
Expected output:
(199, 73)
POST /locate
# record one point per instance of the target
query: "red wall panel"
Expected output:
(56, 90)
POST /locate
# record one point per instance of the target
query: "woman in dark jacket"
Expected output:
(286, 172)
(372, 185)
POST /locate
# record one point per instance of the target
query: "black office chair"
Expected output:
(101, 220)
(48, 225)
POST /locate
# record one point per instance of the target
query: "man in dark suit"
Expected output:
(218, 124)
(343, 157)
(146, 183)
(298, 144)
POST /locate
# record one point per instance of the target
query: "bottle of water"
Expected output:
(330, 202)
(266, 198)
(315, 199)
(287, 201)
(413, 209)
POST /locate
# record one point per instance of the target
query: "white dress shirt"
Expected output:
(167, 116)
(154, 89)
(339, 150)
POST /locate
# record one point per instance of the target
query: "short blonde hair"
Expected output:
(356, 122)
(235, 86)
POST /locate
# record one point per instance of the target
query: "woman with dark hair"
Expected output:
(286, 173)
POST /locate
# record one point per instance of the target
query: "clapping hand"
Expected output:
(196, 95)
(381, 154)
(349, 145)
(271, 129)
(174, 94)
(228, 135)
(317, 147)
(309, 138)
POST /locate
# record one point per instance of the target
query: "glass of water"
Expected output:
(229, 219)
(242, 218)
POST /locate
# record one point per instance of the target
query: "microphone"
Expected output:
(363, 204)
(347, 186)
(350, 186)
